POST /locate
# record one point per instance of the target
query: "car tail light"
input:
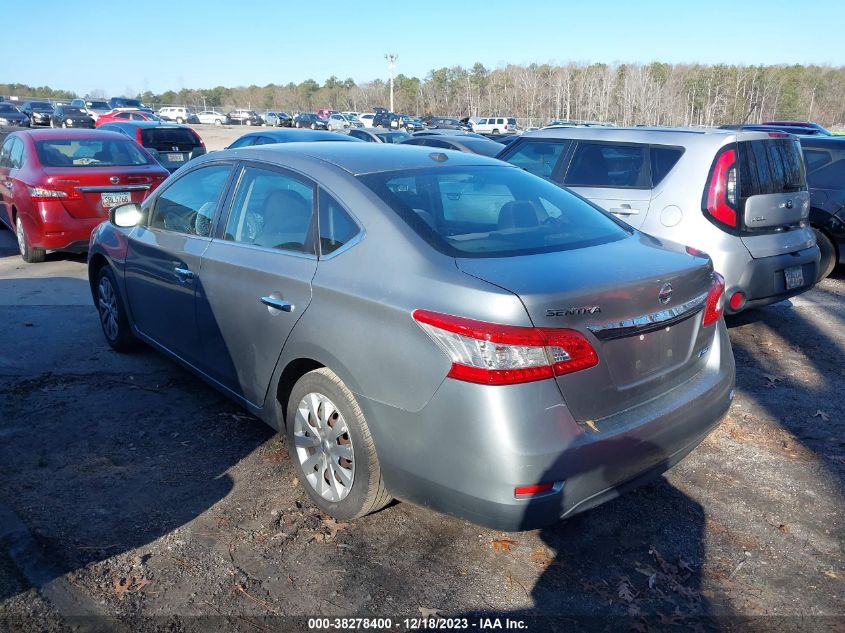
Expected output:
(535, 489)
(495, 354)
(720, 196)
(714, 306)
(138, 136)
(44, 194)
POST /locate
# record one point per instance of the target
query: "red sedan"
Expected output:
(56, 185)
(125, 115)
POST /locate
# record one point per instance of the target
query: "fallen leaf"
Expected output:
(592, 426)
(821, 414)
(427, 613)
(503, 544)
(121, 586)
(831, 574)
(624, 590)
(334, 527)
(771, 380)
(132, 584)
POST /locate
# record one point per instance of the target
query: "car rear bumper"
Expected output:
(763, 280)
(57, 230)
(468, 449)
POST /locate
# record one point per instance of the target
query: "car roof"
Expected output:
(659, 135)
(359, 158)
(382, 130)
(146, 124)
(837, 142)
(294, 136)
(52, 134)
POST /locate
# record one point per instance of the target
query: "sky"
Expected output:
(156, 45)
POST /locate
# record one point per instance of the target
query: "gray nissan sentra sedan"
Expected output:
(433, 326)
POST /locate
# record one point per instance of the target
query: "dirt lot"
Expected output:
(129, 489)
(219, 136)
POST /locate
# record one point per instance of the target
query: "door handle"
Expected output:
(183, 274)
(277, 303)
(625, 209)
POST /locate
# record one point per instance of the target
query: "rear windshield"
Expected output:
(154, 137)
(483, 147)
(770, 166)
(89, 153)
(492, 211)
(128, 103)
(40, 106)
(72, 110)
(5, 107)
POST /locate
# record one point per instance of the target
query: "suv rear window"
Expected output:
(770, 166)
(608, 165)
(492, 211)
(167, 136)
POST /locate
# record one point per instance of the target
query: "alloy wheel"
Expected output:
(324, 447)
(107, 305)
(19, 232)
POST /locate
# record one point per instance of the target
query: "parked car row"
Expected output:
(289, 242)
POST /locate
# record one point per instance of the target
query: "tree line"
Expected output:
(625, 94)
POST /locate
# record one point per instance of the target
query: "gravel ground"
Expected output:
(146, 496)
(219, 136)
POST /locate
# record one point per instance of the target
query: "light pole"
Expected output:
(391, 66)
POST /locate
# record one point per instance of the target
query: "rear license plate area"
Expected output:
(110, 200)
(794, 277)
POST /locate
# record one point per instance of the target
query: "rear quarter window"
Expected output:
(663, 159)
(538, 157)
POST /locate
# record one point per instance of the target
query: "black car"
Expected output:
(383, 117)
(468, 144)
(70, 116)
(10, 115)
(444, 123)
(268, 137)
(310, 120)
(38, 112)
(172, 145)
(244, 117)
(125, 102)
(824, 157)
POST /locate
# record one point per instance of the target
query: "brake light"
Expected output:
(496, 354)
(721, 193)
(138, 136)
(530, 491)
(45, 194)
(714, 306)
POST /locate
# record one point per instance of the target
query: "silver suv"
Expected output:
(739, 196)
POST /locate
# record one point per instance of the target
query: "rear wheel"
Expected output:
(112, 314)
(30, 254)
(313, 126)
(249, 122)
(828, 252)
(331, 447)
(495, 130)
(180, 120)
(218, 122)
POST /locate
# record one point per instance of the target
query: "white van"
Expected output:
(494, 125)
(178, 114)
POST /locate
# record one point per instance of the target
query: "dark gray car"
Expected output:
(438, 327)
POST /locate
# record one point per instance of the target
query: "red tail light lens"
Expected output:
(721, 193)
(47, 193)
(530, 491)
(138, 136)
(496, 354)
(715, 304)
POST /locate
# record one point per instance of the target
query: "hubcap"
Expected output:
(21, 237)
(108, 308)
(324, 447)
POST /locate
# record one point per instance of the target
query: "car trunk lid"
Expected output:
(92, 191)
(645, 345)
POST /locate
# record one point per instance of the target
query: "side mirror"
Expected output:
(126, 215)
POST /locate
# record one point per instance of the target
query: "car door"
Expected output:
(6, 186)
(255, 281)
(615, 176)
(164, 256)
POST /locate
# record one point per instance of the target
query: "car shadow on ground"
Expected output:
(101, 453)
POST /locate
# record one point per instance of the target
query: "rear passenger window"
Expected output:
(538, 157)
(336, 227)
(815, 159)
(188, 205)
(598, 165)
(663, 159)
(272, 210)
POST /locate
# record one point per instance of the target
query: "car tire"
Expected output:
(218, 122)
(828, 252)
(249, 122)
(64, 124)
(495, 130)
(180, 120)
(112, 313)
(313, 126)
(30, 254)
(341, 475)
